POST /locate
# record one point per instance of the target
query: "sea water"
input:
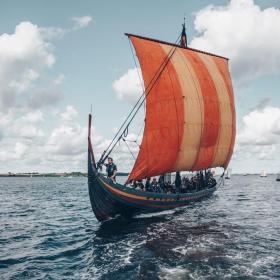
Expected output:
(48, 231)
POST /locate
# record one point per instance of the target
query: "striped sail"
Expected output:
(190, 113)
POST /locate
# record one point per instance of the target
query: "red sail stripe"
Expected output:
(211, 125)
(164, 114)
(225, 132)
(223, 67)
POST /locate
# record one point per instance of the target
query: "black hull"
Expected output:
(110, 199)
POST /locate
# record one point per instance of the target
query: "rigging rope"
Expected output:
(136, 66)
(137, 106)
(125, 133)
(137, 137)
(139, 133)
(221, 180)
(129, 148)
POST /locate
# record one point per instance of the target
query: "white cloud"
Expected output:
(49, 33)
(243, 32)
(29, 140)
(26, 127)
(260, 127)
(23, 55)
(28, 131)
(128, 86)
(17, 153)
(59, 79)
(257, 143)
(68, 138)
(20, 150)
(70, 115)
(63, 148)
(81, 22)
(25, 81)
(43, 98)
(33, 117)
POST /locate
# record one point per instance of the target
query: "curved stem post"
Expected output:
(90, 151)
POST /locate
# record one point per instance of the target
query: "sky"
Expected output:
(59, 57)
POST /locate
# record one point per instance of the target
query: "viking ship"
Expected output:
(189, 126)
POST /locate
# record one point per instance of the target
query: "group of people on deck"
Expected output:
(202, 180)
(181, 185)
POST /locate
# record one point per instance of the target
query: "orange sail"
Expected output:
(190, 113)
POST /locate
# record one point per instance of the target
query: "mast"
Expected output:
(183, 41)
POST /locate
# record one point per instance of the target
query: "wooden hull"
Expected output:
(109, 199)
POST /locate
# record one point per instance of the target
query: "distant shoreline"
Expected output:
(63, 174)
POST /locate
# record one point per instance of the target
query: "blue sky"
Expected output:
(72, 54)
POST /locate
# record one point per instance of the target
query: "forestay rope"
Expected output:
(221, 180)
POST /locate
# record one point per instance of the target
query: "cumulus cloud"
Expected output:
(68, 138)
(23, 54)
(33, 117)
(28, 138)
(258, 139)
(26, 126)
(128, 86)
(69, 115)
(63, 147)
(43, 98)
(16, 154)
(260, 127)
(243, 32)
(81, 22)
(25, 81)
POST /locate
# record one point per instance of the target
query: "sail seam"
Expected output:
(200, 105)
(211, 118)
(220, 113)
(177, 123)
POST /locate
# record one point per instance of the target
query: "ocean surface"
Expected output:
(48, 231)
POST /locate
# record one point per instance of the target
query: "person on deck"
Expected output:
(169, 187)
(201, 180)
(148, 186)
(161, 180)
(178, 182)
(111, 169)
(183, 187)
(140, 185)
(154, 185)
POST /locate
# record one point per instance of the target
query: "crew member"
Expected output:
(111, 169)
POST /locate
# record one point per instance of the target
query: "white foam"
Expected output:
(177, 273)
(155, 214)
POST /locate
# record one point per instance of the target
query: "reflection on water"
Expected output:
(49, 232)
